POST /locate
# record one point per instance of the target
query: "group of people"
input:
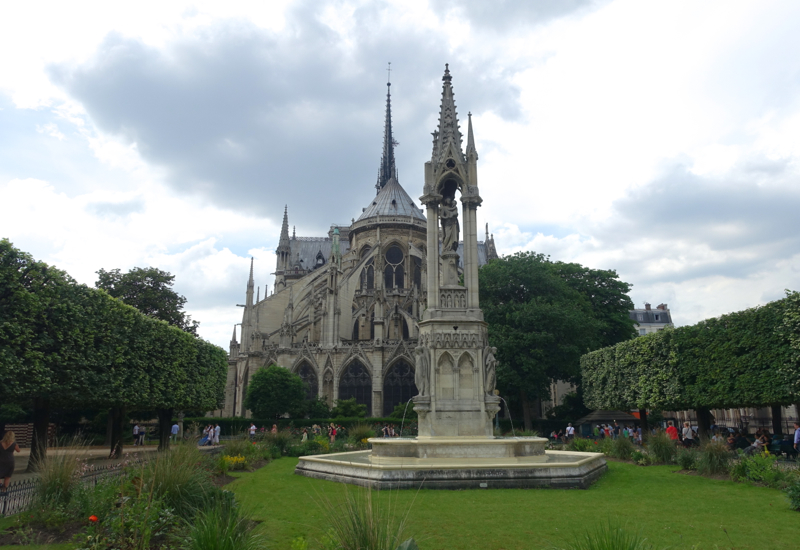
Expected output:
(389, 431)
(686, 437)
(210, 435)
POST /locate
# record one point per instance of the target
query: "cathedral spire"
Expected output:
(387, 170)
(250, 282)
(447, 138)
(233, 338)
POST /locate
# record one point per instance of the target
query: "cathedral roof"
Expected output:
(392, 200)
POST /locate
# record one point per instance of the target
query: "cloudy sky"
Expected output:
(660, 139)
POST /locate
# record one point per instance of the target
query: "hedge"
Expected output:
(743, 359)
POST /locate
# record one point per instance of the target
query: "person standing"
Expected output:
(135, 434)
(672, 432)
(174, 434)
(570, 432)
(305, 435)
(274, 428)
(217, 430)
(797, 436)
(8, 446)
(252, 431)
(332, 432)
(688, 435)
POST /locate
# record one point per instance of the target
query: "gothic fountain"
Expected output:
(455, 367)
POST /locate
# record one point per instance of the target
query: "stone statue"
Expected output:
(490, 374)
(448, 212)
(422, 370)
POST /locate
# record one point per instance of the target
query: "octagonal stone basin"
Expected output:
(456, 463)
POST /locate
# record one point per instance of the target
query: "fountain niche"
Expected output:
(454, 365)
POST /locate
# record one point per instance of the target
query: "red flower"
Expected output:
(595, 442)
(93, 519)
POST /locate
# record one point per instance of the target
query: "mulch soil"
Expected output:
(25, 535)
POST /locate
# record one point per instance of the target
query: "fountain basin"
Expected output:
(457, 447)
(554, 469)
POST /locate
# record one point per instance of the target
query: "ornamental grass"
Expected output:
(661, 448)
(715, 458)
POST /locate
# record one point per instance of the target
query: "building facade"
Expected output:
(649, 320)
(344, 314)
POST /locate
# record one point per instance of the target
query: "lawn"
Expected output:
(671, 509)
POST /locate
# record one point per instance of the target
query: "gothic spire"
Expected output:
(283, 243)
(471, 139)
(250, 282)
(447, 138)
(233, 338)
(387, 170)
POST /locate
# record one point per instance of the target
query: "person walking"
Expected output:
(672, 432)
(305, 435)
(332, 432)
(797, 436)
(252, 431)
(174, 434)
(570, 432)
(8, 446)
(217, 430)
(135, 435)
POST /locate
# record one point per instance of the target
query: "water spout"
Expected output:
(509, 416)
(404, 417)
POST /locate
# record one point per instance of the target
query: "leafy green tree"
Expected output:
(570, 409)
(317, 408)
(274, 391)
(349, 408)
(543, 316)
(150, 291)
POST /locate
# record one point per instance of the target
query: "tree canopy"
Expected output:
(70, 346)
(743, 359)
(274, 391)
(150, 291)
(544, 315)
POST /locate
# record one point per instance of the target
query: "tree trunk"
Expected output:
(643, 422)
(117, 415)
(41, 423)
(777, 419)
(109, 428)
(164, 426)
(526, 410)
(703, 422)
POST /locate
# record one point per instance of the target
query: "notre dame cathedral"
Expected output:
(345, 308)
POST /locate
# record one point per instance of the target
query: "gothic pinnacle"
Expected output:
(448, 136)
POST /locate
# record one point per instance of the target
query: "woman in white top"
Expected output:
(687, 435)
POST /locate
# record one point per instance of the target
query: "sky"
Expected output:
(658, 139)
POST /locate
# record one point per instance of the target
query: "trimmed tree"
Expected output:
(274, 391)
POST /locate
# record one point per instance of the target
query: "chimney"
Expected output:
(662, 307)
(647, 306)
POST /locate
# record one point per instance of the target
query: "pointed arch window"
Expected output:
(417, 267)
(394, 273)
(356, 381)
(368, 275)
(398, 386)
(309, 377)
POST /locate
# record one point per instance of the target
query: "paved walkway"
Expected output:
(97, 456)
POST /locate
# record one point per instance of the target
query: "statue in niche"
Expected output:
(448, 213)
(422, 370)
(490, 374)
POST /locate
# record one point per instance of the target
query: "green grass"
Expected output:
(670, 509)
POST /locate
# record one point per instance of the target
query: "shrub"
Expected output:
(133, 524)
(222, 526)
(60, 474)
(582, 445)
(793, 494)
(177, 477)
(604, 445)
(758, 468)
(609, 537)
(359, 433)
(241, 446)
(687, 458)
(360, 523)
(281, 440)
(235, 462)
(715, 458)
(661, 448)
(622, 448)
(310, 447)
